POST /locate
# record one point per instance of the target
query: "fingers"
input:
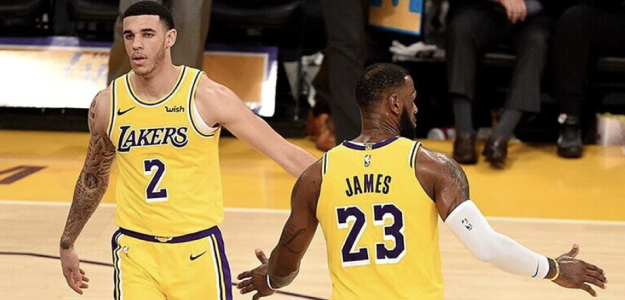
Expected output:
(509, 13)
(261, 256)
(247, 289)
(75, 288)
(595, 268)
(516, 13)
(602, 280)
(246, 274)
(589, 290)
(244, 283)
(574, 251)
(516, 17)
(522, 11)
(84, 277)
(74, 284)
(595, 281)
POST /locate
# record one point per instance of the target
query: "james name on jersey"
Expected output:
(371, 183)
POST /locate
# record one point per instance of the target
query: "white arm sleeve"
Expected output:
(471, 228)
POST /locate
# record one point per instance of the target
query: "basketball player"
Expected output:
(162, 123)
(378, 199)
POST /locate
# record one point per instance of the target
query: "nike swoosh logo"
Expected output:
(191, 257)
(119, 112)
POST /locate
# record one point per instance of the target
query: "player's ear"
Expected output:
(394, 103)
(170, 37)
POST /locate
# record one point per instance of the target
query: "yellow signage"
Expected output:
(397, 15)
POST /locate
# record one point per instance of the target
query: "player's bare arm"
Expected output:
(446, 183)
(443, 180)
(90, 187)
(283, 265)
(217, 104)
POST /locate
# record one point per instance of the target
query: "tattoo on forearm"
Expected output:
(92, 182)
(458, 182)
(314, 201)
(289, 235)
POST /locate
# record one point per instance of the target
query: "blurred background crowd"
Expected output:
(498, 70)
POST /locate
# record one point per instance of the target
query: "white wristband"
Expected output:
(269, 283)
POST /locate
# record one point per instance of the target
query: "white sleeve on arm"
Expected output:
(471, 228)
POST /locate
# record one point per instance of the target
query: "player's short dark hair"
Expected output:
(378, 79)
(153, 9)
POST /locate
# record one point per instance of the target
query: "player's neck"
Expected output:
(376, 128)
(158, 83)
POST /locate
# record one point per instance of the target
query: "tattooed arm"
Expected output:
(298, 230)
(90, 187)
(442, 179)
(283, 265)
(445, 182)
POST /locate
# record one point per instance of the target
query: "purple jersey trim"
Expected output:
(377, 145)
(172, 240)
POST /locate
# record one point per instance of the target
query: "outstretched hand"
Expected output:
(256, 279)
(577, 274)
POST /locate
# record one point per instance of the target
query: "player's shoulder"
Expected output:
(209, 90)
(435, 163)
(313, 172)
(104, 95)
(102, 101)
(99, 112)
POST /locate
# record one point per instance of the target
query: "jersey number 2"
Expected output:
(152, 192)
(393, 232)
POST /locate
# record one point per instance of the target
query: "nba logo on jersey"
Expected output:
(367, 160)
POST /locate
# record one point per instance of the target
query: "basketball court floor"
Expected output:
(544, 202)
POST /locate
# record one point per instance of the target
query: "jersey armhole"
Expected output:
(113, 99)
(412, 158)
(198, 124)
(324, 164)
(413, 166)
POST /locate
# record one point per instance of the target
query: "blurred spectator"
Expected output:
(319, 123)
(191, 17)
(344, 60)
(584, 32)
(475, 27)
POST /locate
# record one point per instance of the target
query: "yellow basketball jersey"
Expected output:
(381, 228)
(169, 177)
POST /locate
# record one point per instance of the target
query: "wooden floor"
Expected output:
(544, 202)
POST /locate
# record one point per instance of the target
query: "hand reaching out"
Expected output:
(577, 274)
(256, 279)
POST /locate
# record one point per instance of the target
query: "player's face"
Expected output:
(146, 40)
(408, 117)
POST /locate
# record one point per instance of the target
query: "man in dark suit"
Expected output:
(586, 31)
(475, 27)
